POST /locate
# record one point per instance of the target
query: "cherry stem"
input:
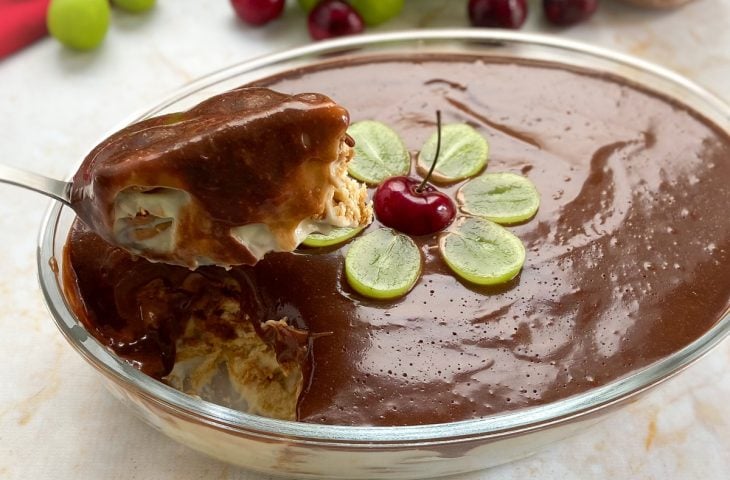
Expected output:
(435, 157)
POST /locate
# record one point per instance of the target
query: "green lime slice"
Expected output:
(335, 236)
(379, 153)
(383, 264)
(463, 153)
(482, 252)
(500, 197)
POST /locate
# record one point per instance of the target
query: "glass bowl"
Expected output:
(320, 451)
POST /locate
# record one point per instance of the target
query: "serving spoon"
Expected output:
(56, 189)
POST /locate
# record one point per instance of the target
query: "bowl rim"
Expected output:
(499, 425)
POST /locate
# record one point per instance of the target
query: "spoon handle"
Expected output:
(55, 189)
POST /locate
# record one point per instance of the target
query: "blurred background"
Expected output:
(58, 101)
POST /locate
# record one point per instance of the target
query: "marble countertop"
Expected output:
(56, 419)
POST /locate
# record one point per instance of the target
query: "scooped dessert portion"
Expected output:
(242, 174)
(626, 255)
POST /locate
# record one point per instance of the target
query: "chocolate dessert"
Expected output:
(213, 185)
(628, 260)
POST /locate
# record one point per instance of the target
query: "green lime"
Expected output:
(383, 264)
(135, 5)
(379, 153)
(463, 153)
(482, 252)
(79, 24)
(500, 197)
(308, 5)
(335, 236)
(375, 12)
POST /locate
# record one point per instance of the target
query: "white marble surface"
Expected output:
(56, 419)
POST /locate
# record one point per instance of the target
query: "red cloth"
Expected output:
(21, 22)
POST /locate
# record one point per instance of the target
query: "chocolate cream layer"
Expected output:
(628, 258)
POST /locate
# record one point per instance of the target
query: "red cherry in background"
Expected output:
(569, 12)
(400, 204)
(333, 18)
(258, 12)
(497, 13)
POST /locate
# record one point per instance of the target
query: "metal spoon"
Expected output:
(56, 189)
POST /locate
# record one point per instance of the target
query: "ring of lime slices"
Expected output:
(379, 153)
(482, 252)
(383, 264)
(503, 198)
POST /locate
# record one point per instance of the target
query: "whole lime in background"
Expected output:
(134, 5)
(308, 5)
(79, 24)
(373, 12)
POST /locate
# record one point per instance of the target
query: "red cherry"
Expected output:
(569, 12)
(258, 12)
(401, 205)
(333, 18)
(498, 13)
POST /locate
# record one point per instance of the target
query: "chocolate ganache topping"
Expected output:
(241, 174)
(628, 258)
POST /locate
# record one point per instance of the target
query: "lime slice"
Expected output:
(335, 236)
(500, 197)
(383, 264)
(379, 153)
(482, 252)
(463, 153)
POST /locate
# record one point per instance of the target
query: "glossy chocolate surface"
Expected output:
(628, 258)
(223, 154)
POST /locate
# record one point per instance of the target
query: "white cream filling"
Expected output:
(140, 215)
(146, 220)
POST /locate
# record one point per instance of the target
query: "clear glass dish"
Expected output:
(316, 451)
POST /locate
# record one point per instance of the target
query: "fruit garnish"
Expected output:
(307, 5)
(258, 12)
(335, 236)
(497, 13)
(482, 252)
(413, 206)
(500, 197)
(333, 18)
(463, 153)
(569, 12)
(135, 6)
(401, 205)
(79, 24)
(383, 264)
(379, 152)
(375, 12)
